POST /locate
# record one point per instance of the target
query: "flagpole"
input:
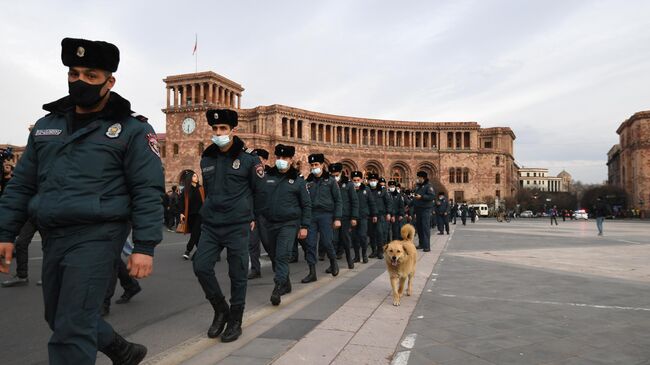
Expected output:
(196, 57)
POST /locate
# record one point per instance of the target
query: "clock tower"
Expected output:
(189, 96)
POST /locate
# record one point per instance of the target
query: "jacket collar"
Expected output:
(426, 181)
(325, 176)
(292, 173)
(117, 107)
(234, 151)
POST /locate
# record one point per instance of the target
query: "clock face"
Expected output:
(189, 125)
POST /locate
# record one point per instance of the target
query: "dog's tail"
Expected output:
(407, 232)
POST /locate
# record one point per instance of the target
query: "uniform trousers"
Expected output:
(443, 223)
(423, 227)
(282, 235)
(234, 238)
(343, 236)
(260, 234)
(320, 227)
(77, 267)
(22, 248)
(360, 234)
(395, 228)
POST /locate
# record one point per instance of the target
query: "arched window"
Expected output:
(466, 175)
(175, 149)
(452, 175)
(497, 161)
(497, 178)
(285, 127)
(459, 175)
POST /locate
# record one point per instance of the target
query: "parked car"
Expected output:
(526, 214)
(580, 214)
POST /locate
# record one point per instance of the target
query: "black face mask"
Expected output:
(84, 94)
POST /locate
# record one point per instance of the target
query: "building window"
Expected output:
(459, 137)
(175, 149)
(300, 129)
(497, 160)
(285, 127)
(466, 175)
(487, 144)
(497, 178)
(467, 140)
(450, 140)
(498, 193)
(452, 175)
(313, 131)
(459, 174)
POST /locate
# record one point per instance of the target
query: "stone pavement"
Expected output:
(527, 293)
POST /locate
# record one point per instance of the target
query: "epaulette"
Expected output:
(139, 117)
(249, 151)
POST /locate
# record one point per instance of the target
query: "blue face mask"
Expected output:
(221, 141)
(316, 171)
(282, 164)
(373, 184)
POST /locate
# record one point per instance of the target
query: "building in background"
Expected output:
(630, 165)
(473, 163)
(539, 178)
(614, 165)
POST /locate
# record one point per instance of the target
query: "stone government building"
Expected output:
(473, 163)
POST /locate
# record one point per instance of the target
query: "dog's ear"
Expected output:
(385, 247)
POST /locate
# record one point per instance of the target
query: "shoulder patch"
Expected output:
(249, 150)
(152, 141)
(139, 117)
(259, 170)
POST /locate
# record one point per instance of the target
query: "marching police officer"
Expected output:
(288, 215)
(367, 211)
(90, 170)
(383, 205)
(233, 179)
(397, 217)
(350, 218)
(422, 204)
(442, 213)
(260, 232)
(326, 213)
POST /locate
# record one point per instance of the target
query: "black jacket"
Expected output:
(325, 195)
(287, 198)
(428, 196)
(349, 199)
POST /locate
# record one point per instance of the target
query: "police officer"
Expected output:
(442, 213)
(350, 218)
(367, 211)
(397, 216)
(288, 215)
(423, 204)
(90, 170)
(326, 214)
(260, 232)
(233, 179)
(383, 205)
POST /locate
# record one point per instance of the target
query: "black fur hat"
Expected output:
(222, 116)
(316, 157)
(284, 151)
(92, 54)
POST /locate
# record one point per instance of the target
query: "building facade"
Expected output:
(539, 178)
(614, 165)
(473, 163)
(633, 160)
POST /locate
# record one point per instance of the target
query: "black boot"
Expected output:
(348, 257)
(311, 276)
(221, 315)
(364, 255)
(334, 267)
(128, 294)
(380, 253)
(286, 289)
(357, 257)
(276, 294)
(233, 329)
(122, 352)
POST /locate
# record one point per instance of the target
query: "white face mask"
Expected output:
(221, 141)
(357, 184)
(337, 178)
(391, 189)
(316, 171)
(373, 184)
(282, 164)
(398, 190)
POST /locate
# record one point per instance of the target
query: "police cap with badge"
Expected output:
(336, 167)
(373, 176)
(422, 174)
(101, 55)
(316, 157)
(357, 174)
(284, 151)
(222, 116)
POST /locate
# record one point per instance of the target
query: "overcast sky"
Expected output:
(562, 74)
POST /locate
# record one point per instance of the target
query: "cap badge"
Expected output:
(236, 164)
(81, 51)
(216, 115)
(291, 181)
(114, 130)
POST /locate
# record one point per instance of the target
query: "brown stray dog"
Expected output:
(401, 257)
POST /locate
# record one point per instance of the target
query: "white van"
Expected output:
(481, 209)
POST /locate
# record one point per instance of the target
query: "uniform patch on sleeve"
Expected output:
(430, 189)
(152, 140)
(259, 170)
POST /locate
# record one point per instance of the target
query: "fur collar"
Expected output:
(116, 108)
(292, 173)
(234, 151)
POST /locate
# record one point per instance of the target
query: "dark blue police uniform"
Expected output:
(423, 207)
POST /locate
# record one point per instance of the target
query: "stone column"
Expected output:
(168, 95)
(238, 101)
(201, 94)
(210, 95)
(184, 96)
(232, 99)
(193, 86)
(175, 96)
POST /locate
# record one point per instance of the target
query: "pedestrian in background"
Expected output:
(190, 206)
(554, 215)
(601, 211)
